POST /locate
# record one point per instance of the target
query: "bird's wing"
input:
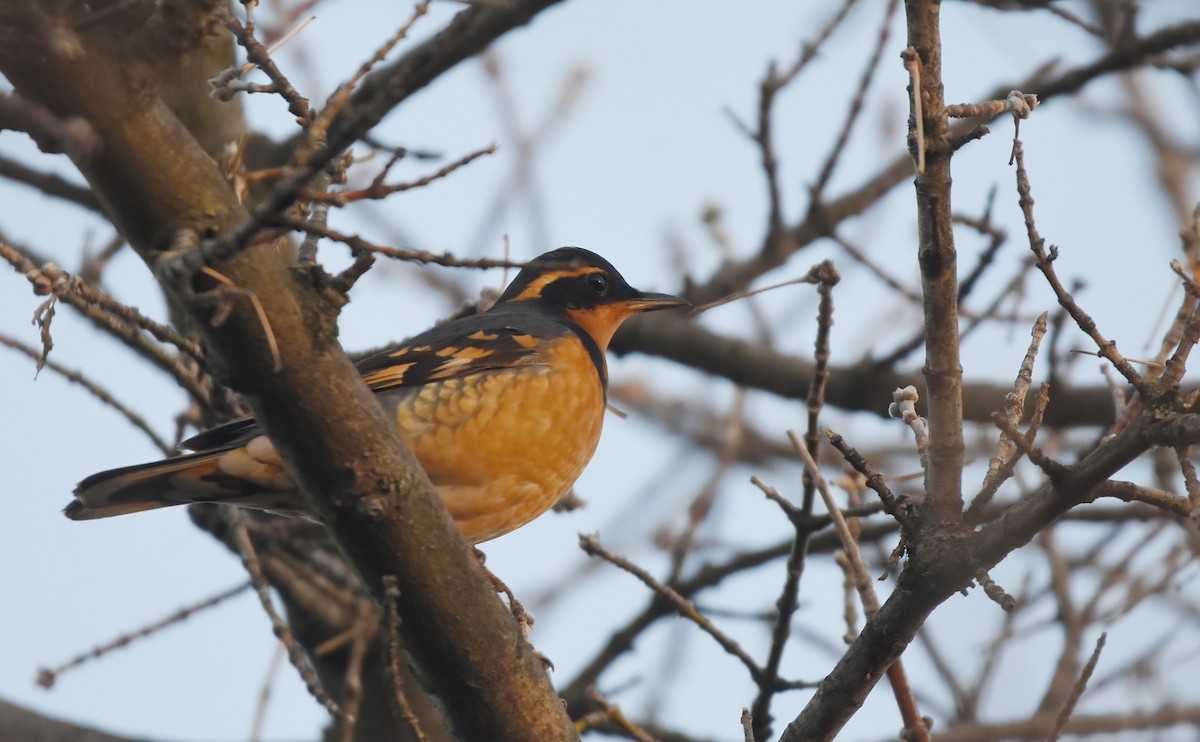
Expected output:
(457, 348)
(449, 352)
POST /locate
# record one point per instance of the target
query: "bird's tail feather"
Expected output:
(131, 489)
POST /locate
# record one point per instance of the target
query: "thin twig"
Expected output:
(50, 279)
(1189, 335)
(807, 278)
(226, 84)
(885, 276)
(358, 244)
(849, 592)
(94, 264)
(54, 135)
(227, 285)
(395, 655)
(856, 104)
(874, 479)
(1068, 707)
(47, 676)
(97, 391)
(773, 82)
(1025, 444)
(702, 504)
(49, 184)
(264, 694)
(129, 334)
(379, 190)
(915, 727)
(912, 63)
(706, 577)
(1190, 480)
(862, 580)
(827, 277)
(996, 593)
(337, 103)
(592, 547)
(353, 682)
(904, 407)
(283, 631)
(1020, 104)
(1045, 263)
(609, 712)
(1161, 500)
(1014, 409)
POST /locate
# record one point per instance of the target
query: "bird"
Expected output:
(503, 409)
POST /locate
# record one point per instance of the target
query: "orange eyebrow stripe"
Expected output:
(534, 289)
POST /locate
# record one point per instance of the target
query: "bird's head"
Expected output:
(586, 288)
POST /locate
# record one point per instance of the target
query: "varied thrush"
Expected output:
(503, 409)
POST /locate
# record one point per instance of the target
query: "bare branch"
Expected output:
(1045, 263)
(591, 546)
(99, 392)
(1064, 714)
(915, 727)
(48, 676)
(49, 184)
(283, 631)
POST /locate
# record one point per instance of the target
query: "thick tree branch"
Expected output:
(864, 387)
(17, 723)
(159, 184)
(928, 581)
(929, 141)
(1079, 726)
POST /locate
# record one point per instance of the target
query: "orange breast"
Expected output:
(503, 446)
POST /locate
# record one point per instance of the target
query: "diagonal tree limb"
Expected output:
(158, 184)
(18, 723)
(933, 576)
(861, 387)
(468, 34)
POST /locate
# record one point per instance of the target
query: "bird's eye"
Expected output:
(599, 283)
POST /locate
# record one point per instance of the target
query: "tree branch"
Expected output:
(938, 259)
(468, 34)
(21, 723)
(863, 387)
(159, 184)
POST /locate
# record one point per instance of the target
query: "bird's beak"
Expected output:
(602, 321)
(645, 301)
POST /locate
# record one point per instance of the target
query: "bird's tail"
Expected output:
(131, 489)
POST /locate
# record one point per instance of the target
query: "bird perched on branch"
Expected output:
(503, 409)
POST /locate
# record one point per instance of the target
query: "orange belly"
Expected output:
(503, 446)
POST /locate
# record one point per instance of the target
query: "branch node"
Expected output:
(997, 594)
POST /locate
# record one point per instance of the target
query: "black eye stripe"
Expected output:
(598, 283)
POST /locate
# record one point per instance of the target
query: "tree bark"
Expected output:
(280, 352)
